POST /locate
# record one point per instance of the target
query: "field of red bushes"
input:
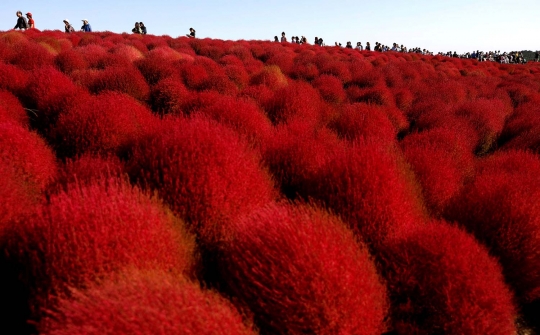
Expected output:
(158, 185)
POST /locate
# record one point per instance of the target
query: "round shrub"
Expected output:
(371, 187)
(170, 96)
(110, 122)
(500, 208)
(331, 88)
(85, 233)
(271, 76)
(145, 303)
(296, 153)
(12, 78)
(442, 164)
(442, 281)
(204, 171)
(301, 271)
(362, 120)
(11, 110)
(51, 92)
(124, 79)
(29, 155)
(298, 100)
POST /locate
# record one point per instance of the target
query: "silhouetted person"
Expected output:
(68, 27)
(283, 38)
(31, 23)
(276, 39)
(21, 21)
(143, 28)
(137, 28)
(368, 46)
(349, 45)
(86, 26)
(359, 46)
(191, 33)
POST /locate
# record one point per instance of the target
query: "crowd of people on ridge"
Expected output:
(514, 57)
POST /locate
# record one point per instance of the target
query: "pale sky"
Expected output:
(460, 25)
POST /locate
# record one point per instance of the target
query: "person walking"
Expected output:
(31, 24)
(191, 33)
(137, 29)
(68, 27)
(86, 26)
(21, 21)
(143, 28)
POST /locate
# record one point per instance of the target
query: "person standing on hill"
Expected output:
(86, 26)
(191, 33)
(359, 46)
(31, 24)
(21, 21)
(276, 39)
(368, 46)
(283, 38)
(137, 29)
(143, 28)
(349, 45)
(68, 27)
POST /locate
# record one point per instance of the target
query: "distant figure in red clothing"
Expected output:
(31, 24)
(191, 33)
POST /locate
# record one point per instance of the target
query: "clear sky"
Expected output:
(438, 25)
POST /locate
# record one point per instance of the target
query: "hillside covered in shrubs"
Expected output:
(158, 185)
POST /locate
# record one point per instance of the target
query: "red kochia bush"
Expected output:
(170, 96)
(301, 271)
(442, 281)
(11, 109)
(84, 233)
(362, 120)
(87, 169)
(242, 115)
(204, 171)
(52, 92)
(442, 163)
(331, 88)
(28, 154)
(501, 208)
(121, 79)
(372, 189)
(296, 153)
(298, 100)
(12, 78)
(145, 303)
(107, 123)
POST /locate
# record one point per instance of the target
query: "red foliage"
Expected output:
(204, 172)
(371, 188)
(87, 232)
(69, 61)
(33, 161)
(522, 131)
(88, 169)
(301, 271)
(366, 121)
(244, 116)
(298, 100)
(500, 209)
(12, 78)
(441, 280)
(107, 123)
(11, 110)
(145, 303)
(170, 96)
(51, 92)
(442, 163)
(296, 154)
(271, 76)
(121, 79)
(331, 88)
